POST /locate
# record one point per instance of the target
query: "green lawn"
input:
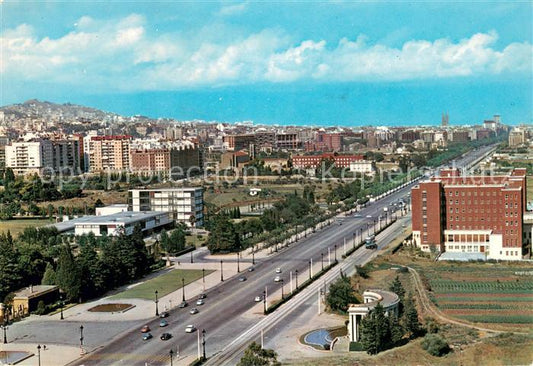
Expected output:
(17, 226)
(164, 284)
(194, 240)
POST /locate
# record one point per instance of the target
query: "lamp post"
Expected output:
(335, 246)
(61, 305)
(156, 306)
(282, 289)
(253, 255)
(353, 238)
(322, 260)
(296, 271)
(191, 258)
(361, 235)
(264, 302)
(183, 289)
(39, 354)
(203, 343)
(309, 269)
(171, 353)
(81, 338)
(221, 272)
(203, 278)
(5, 328)
(238, 263)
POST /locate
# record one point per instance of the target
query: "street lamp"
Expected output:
(353, 238)
(322, 260)
(361, 235)
(203, 277)
(81, 338)
(264, 302)
(5, 328)
(191, 258)
(238, 263)
(61, 305)
(171, 353)
(183, 289)
(296, 279)
(335, 253)
(253, 255)
(221, 272)
(39, 354)
(156, 306)
(309, 269)
(282, 289)
(203, 343)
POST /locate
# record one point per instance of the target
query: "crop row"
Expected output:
(479, 306)
(483, 287)
(510, 319)
(486, 298)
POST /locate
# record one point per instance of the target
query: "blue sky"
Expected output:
(317, 63)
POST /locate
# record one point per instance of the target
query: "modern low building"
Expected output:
(371, 298)
(471, 214)
(185, 205)
(114, 224)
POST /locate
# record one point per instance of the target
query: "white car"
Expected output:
(278, 270)
(190, 329)
(199, 302)
(257, 299)
(277, 279)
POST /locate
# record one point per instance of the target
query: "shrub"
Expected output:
(435, 345)
(41, 308)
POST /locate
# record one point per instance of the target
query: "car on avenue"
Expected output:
(251, 269)
(165, 336)
(164, 314)
(147, 336)
(193, 311)
(242, 279)
(277, 279)
(278, 270)
(202, 296)
(163, 323)
(145, 329)
(190, 329)
(183, 304)
(200, 302)
(257, 299)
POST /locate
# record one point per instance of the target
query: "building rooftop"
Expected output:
(461, 256)
(126, 217)
(167, 189)
(34, 291)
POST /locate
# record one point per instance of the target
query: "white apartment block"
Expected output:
(182, 203)
(361, 166)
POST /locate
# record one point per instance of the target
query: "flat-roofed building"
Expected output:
(185, 205)
(115, 224)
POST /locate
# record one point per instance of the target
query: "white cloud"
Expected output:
(122, 54)
(233, 9)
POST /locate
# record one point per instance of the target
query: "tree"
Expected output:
(397, 287)
(49, 276)
(435, 345)
(375, 331)
(254, 355)
(9, 176)
(223, 237)
(341, 294)
(396, 330)
(410, 317)
(67, 274)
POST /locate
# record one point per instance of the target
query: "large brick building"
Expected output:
(471, 214)
(313, 161)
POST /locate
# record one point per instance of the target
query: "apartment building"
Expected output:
(471, 214)
(184, 204)
(314, 161)
(109, 153)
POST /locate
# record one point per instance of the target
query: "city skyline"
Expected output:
(307, 64)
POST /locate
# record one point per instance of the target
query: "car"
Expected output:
(258, 299)
(190, 329)
(145, 329)
(163, 323)
(165, 336)
(200, 302)
(183, 304)
(357, 215)
(251, 269)
(368, 216)
(164, 314)
(193, 311)
(242, 279)
(278, 270)
(202, 296)
(277, 279)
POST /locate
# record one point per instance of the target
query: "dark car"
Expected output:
(202, 296)
(164, 314)
(165, 336)
(242, 279)
(183, 304)
(147, 336)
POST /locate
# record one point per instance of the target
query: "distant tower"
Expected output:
(445, 119)
(497, 119)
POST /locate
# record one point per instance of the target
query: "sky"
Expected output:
(326, 63)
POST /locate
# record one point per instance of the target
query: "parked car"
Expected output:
(242, 279)
(165, 336)
(164, 314)
(278, 270)
(258, 299)
(163, 323)
(277, 279)
(193, 311)
(145, 329)
(200, 302)
(190, 329)
(251, 269)
(147, 336)
(202, 296)
(183, 304)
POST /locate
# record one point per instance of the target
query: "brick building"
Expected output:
(109, 153)
(471, 214)
(313, 161)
